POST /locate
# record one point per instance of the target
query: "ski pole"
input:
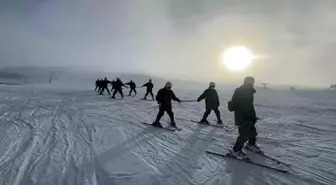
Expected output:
(234, 127)
(152, 109)
(231, 129)
(188, 100)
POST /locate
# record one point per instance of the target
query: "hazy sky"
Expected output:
(182, 38)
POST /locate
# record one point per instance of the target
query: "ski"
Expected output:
(217, 125)
(247, 161)
(167, 128)
(177, 128)
(269, 157)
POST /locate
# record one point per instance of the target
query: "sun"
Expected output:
(237, 58)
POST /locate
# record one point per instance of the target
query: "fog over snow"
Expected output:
(176, 38)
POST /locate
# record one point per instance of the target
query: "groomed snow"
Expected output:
(66, 135)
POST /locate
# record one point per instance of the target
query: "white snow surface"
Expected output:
(58, 134)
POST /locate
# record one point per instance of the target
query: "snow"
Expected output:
(66, 134)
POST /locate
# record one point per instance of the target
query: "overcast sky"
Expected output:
(180, 38)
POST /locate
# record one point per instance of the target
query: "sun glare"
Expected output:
(237, 58)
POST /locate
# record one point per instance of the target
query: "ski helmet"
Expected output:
(168, 85)
(212, 84)
(249, 80)
(150, 80)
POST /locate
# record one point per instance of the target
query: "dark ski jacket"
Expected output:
(242, 105)
(149, 86)
(131, 84)
(211, 98)
(104, 83)
(164, 97)
(118, 85)
(113, 84)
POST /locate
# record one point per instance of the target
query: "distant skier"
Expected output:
(150, 87)
(118, 88)
(132, 86)
(113, 85)
(211, 103)
(97, 84)
(164, 98)
(103, 85)
(245, 118)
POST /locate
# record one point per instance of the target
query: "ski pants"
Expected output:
(103, 89)
(132, 89)
(247, 132)
(161, 113)
(97, 87)
(149, 92)
(120, 92)
(208, 111)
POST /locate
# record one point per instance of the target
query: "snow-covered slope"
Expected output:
(65, 134)
(28, 75)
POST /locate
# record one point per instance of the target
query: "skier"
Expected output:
(113, 85)
(97, 84)
(245, 118)
(132, 86)
(149, 86)
(164, 98)
(211, 103)
(118, 88)
(100, 85)
(103, 85)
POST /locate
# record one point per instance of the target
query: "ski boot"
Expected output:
(253, 148)
(144, 98)
(173, 124)
(113, 97)
(157, 124)
(239, 154)
(220, 122)
(204, 121)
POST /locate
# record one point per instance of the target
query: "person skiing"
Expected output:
(164, 98)
(245, 118)
(132, 86)
(100, 84)
(113, 85)
(211, 103)
(150, 87)
(118, 88)
(97, 84)
(104, 85)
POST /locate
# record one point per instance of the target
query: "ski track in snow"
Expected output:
(67, 137)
